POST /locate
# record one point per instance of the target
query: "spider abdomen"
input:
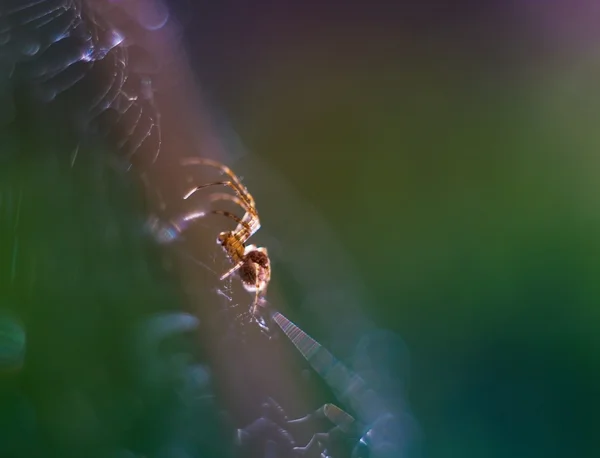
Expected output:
(255, 272)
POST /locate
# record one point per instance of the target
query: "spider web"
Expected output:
(84, 53)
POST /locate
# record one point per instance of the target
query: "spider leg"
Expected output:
(229, 184)
(251, 217)
(222, 196)
(184, 221)
(255, 303)
(232, 270)
(218, 165)
(169, 231)
(248, 230)
(204, 161)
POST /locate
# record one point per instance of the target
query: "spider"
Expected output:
(250, 262)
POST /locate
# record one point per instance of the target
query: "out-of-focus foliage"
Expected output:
(110, 363)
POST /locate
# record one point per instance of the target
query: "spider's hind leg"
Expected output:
(232, 270)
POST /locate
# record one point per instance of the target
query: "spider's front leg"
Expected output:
(234, 184)
(250, 220)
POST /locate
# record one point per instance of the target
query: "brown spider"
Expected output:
(251, 262)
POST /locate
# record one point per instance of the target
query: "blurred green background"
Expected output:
(455, 153)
